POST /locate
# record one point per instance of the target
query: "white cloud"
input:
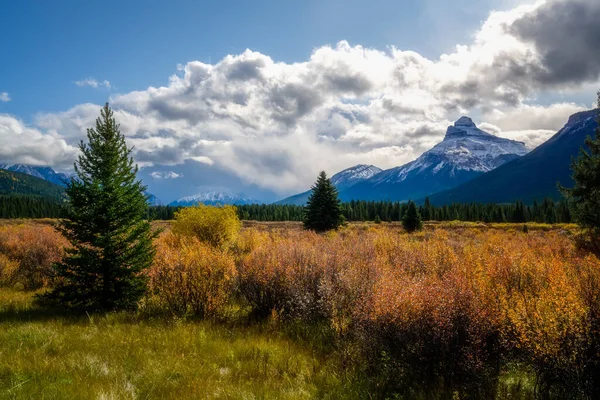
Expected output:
(93, 83)
(277, 124)
(21, 144)
(165, 175)
(4, 97)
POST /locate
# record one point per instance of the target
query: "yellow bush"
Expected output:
(216, 226)
(7, 270)
(190, 277)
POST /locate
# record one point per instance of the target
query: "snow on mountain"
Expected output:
(465, 152)
(213, 198)
(533, 176)
(45, 173)
(342, 180)
(350, 176)
(465, 147)
(58, 178)
(153, 200)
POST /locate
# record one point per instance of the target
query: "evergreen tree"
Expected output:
(323, 210)
(584, 197)
(105, 223)
(412, 219)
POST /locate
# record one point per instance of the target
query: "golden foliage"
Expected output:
(458, 299)
(190, 277)
(216, 226)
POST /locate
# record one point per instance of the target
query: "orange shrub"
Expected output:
(446, 306)
(32, 249)
(190, 277)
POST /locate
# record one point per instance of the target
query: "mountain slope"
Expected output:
(342, 180)
(213, 198)
(45, 173)
(465, 153)
(23, 184)
(532, 177)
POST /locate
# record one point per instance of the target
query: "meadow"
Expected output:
(458, 311)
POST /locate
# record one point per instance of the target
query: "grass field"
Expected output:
(45, 354)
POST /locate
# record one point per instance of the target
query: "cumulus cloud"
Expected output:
(530, 124)
(4, 97)
(566, 36)
(91, 82)
(21, 144)
(165, 175)
(276, 124)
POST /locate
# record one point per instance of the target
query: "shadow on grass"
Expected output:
(16, 313)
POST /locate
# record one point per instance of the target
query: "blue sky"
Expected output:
(327, 84)
(136, 44)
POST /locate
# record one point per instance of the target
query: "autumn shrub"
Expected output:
(29, 252)
(440, 309)
(282, 275)
(216, 226)
(190, 277)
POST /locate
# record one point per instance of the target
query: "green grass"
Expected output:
(46, 354)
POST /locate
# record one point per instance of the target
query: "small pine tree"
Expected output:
(584, 197)
(323, 210)
(412, 219)
(377, 220)
(112, 242)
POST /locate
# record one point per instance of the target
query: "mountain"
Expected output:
(17, 183)
(48, 174)
(532, 177)
(465, 153)
(342, 180)
(45, 173)
(153, 200)
(213, 198)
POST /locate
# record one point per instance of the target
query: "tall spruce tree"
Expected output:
(412, 219)
(323, 210)
(105, 224)
(584, 196)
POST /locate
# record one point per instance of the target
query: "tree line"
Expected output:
(547, 211)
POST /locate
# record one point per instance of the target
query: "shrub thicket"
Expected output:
(215, 226)
(444, 307)
(190, 277)
(443, 310)
(29, 251)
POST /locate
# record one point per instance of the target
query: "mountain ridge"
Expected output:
(531, 177)
(465, 152)
(342, 180)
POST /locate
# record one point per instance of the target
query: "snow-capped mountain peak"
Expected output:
(350, 176)
(465, 121)
(213, 198)
(464, 148)
(42, 172)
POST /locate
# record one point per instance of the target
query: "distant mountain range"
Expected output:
(468, 165)
(213, 198)
(532, 177)
(45, 173)
(342, 180)
(465, 153)
(17, 183)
